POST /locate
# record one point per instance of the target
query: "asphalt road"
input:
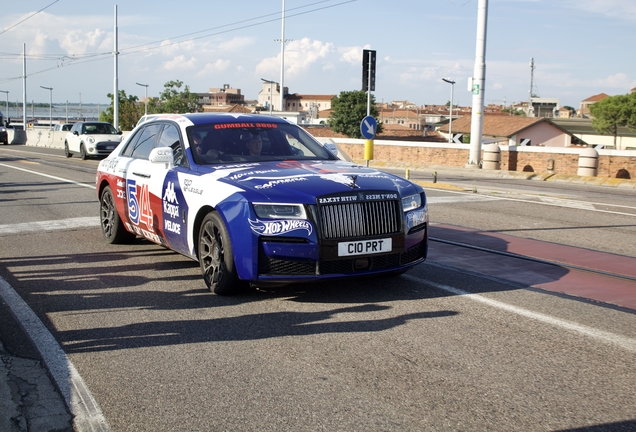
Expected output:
(435, 349)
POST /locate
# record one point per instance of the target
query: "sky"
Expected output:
(580, 48)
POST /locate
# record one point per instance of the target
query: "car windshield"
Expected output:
(252, 142)
(98, 129)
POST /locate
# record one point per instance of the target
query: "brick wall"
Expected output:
(612, 163)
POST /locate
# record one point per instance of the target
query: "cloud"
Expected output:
(622, 9)
(300, 56)
(81, 42)
(352, 55)
(236, 44)
(180, 62)
(220, 65)
(170, 47)
(617, 81)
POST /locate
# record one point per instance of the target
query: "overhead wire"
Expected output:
(30, 16)
(80, 59)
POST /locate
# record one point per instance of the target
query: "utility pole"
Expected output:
(478, 84)
(116, 79)
(282, 61)
(24, 94)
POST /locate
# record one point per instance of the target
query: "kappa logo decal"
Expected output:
(170, 203)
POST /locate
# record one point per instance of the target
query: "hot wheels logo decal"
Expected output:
(280, 226)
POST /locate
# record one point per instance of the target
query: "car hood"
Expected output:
(303, 181)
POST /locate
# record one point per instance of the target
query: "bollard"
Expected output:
(435, 177)
(492, 157)
(588, 163)
(407, 174)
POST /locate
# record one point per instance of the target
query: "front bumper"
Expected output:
(103, 148)
(297, 260)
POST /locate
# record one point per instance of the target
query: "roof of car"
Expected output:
(207, 118)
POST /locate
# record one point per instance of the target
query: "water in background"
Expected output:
(59, 112)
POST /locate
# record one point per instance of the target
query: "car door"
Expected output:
(140, 177)
(173, 214)
(72, 137)
(156, 207)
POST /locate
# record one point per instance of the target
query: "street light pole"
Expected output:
(270, 93)
(7, 93)
(450, 123)
(146, 97)
(50, 89)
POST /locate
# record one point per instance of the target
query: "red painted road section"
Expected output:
(559, 279)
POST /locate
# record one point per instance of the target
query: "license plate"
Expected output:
(110, 147)
(364, 247)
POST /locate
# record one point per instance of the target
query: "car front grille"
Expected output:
(360, 219)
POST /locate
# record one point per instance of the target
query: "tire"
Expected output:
(83, 155)
(216, 258)
(112, 227)
(67, 153)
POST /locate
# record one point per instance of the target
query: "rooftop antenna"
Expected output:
(532, 93)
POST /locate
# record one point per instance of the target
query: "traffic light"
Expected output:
(368, 65)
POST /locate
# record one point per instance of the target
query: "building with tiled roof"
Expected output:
(515, 130)
(309, 103)
(584, 109)
(236, 108)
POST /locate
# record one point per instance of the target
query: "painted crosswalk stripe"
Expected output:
(50, 225)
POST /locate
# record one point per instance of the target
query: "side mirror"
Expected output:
(76, 133)
(333, 149)
(162, 155)
(119, 132)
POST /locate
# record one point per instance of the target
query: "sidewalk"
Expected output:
(29, 400)
(444, 171)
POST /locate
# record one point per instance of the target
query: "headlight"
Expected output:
(91, 140)
(411, 202)
(279, 211)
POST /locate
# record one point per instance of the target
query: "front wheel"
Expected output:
(83, 155)
(112, 227)
(67, 152)
(215, 256)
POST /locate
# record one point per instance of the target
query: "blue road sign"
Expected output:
(368, 127)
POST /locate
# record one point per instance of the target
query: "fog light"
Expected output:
(361, 264)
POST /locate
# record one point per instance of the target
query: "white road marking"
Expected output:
(87, 414)
(456, 199)
(554, 202)
(50, 225)
(626, 343)
(49, 176)
(568, 203)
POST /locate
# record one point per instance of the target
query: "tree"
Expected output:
(612, 112)
(173, 101)
(348, 111)
(129, 110)
(631, 116)
(514, 111)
